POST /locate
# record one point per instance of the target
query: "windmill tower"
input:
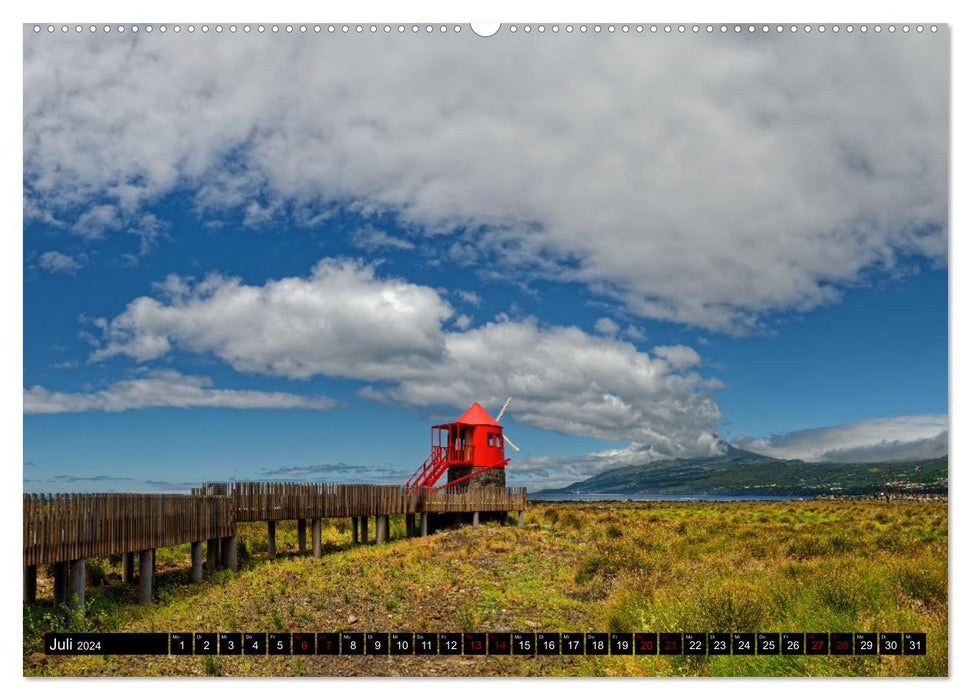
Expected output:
(470, 451)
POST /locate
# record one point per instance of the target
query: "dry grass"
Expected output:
(797, 566)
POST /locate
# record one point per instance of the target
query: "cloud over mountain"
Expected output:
(874, 440)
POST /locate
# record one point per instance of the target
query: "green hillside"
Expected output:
(741, 473)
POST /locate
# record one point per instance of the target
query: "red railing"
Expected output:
(452, 454)
(441, 458)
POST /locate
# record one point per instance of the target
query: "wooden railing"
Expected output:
(288, 501)
(64, 527)
(456, 499)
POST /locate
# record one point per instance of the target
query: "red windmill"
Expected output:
(471, 446)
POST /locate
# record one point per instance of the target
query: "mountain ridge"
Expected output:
(739, 472)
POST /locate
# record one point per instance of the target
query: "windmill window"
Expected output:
(491, 439)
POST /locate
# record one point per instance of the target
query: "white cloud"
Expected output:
(345, 321)
(54, 261)
(874, 440)
(606, 326)
(370, 238)
(165, 389)
(678, 356)
(469, 297)
(707, 183)
(339, 317)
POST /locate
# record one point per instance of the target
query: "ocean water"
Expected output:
(658, 497)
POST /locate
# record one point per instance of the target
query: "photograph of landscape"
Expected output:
(530, 350)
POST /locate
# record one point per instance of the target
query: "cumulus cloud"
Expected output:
(55, 261)
(164, 389)
(344, 320)
(340, 316)
(706, 183)
(874, 440)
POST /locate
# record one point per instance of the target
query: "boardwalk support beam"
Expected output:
(197, 562)
(475, 518)
(30, 583)
(302, 535)
(315, 535)
(364, 535)
(60, 582)
(522, 518)
(76, 588)
(128, 567)
(146, 575)
(380, 528)
(232, 553)
(355, 523)
(410, 525)
(212, 554)
(424, 524)
(271, 538)
(224, 552)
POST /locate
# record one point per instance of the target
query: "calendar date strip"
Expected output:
(487, 643)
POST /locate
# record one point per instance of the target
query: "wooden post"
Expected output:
(380, 528)
(30, 583)
(410, 525)
(212, 554)
(364, 535)
(197, 562)
(76, 587)
(271, 538)
(146, 574)
(475, 518)
(232, 553)
(354, 526)
(522, 518)
(60, 582)
(424, 524)
(315, 535)
(302, 535)
(128, 567)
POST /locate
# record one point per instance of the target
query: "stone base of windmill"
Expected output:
(490, 478)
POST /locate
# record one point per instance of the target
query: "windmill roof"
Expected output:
(476, 415)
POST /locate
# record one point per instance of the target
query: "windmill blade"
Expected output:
(503, 409)
(510, 442)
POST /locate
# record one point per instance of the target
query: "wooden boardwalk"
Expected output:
(66, 529)
(258, 501)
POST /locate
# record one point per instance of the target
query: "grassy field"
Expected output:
(837, 566)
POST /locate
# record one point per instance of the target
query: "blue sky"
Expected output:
(294, 268)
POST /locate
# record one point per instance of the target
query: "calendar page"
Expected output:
(519, 349)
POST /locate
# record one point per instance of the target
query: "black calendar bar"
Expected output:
(488, 643)
(94, 643)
